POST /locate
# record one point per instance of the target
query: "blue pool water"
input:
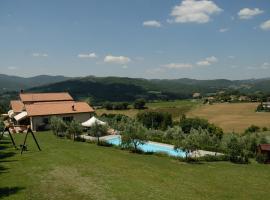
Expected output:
(151, 147)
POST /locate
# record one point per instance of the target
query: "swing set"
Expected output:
(22, 146)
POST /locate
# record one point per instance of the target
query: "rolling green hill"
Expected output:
(128, 89)
(16, 83)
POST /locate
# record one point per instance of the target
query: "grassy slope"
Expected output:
(233, 117)
(176, 108)
(68, 170)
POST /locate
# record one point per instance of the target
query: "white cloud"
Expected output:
(12, 68)
(265, 65)
(117, 59)
(247, 13)
(90, 55)
(152, 23)
(39, 54)
(207, 61)
(222, 30)
(265, 25)
(124, 66)
(194, 11)
(178, 65)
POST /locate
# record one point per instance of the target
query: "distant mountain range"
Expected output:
(128, 89)
(16, 83)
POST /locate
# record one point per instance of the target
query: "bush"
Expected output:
(2, 125)
(139, 104)
(212, 158)
(261, 158)
(104, 143)
(252, 129)
(120, 106)
(155, 120)
(156, 135)
(235, 148)
(264, 129)
(108, 106)
(188, 123)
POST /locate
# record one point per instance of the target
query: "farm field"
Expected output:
(176, 108)
(232, 116)
(74, 170)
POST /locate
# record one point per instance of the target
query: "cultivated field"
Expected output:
(232, 117)
(74, 170)
(176, 108)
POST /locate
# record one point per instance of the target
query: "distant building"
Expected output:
(35, 109)
(244, 98)
(196, 95)
(266, 105)
(265, 150)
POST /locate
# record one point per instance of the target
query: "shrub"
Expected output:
(139, 103)
(108, 105)
(155, 120)
(235, 148)
(188, 123)
(261, 158)
(104, 143)
(264, 129)
(156, 135)
(213, 158)
(252, 129)
(2, 125)
(120, 106)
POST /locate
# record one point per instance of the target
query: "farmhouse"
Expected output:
(35, 109)
(264, 149)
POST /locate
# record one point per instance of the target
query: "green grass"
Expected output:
(176, 108)
(73, 170)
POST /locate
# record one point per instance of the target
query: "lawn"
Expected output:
(176, 108)
(232, 116)
(74, 170)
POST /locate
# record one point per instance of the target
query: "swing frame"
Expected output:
(29, 130)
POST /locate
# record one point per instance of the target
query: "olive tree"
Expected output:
(57, 125)
(98, 130)
(74, 129)
(234, 146)
(133, 135)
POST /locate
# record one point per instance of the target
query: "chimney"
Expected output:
(73, 107)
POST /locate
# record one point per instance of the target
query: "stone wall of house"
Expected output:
(40, 121)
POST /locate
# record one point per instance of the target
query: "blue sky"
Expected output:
(149, 39)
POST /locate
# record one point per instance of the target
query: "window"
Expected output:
(67, 119)
(46, 120)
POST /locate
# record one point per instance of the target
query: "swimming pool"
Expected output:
(151, 147)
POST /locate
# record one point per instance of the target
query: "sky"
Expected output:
(167, 39)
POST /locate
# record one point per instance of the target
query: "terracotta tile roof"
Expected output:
(41, 97)
(265, 147)
(57, 108)
(17, 106)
